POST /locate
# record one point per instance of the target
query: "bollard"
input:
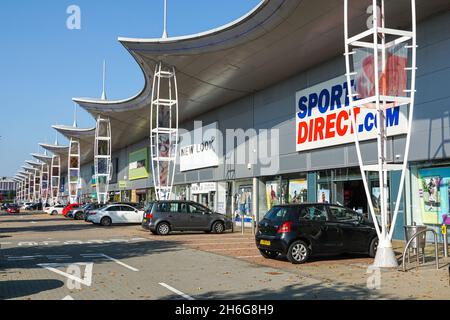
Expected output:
(444, 235)
(253, 225)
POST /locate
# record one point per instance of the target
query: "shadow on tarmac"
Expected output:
(320, 291)
(24, 288)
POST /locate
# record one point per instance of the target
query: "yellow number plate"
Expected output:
(265, 243)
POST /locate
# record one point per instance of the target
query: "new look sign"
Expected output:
(323, 117)
(199, 149)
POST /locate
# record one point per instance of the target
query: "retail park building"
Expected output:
(271, 71)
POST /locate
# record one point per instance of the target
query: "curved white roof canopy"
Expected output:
(42, 157)
(276, 40)
(85, 136)
(33, 164)
(29, 169)
(62, 151)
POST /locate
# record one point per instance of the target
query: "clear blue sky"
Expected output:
(43, 65)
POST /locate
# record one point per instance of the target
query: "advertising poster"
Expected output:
(298, 191)
(323, 196)
(434, 194)
(244, 201)
(138, 164)
(392, 79)
(272, 194)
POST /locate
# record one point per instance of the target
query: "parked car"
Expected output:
(115, 214)
(77, 213)
(301, 231)
(70, 207)
(145, 221)
(35, 207)
(13, 209)
(166, 216)
(54, 210)
(5, 206)
(91, 207)
(26, 206)
(136, 205)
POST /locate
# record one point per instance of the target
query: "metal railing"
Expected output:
(414, 238)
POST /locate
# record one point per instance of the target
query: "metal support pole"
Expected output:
(255, 205)
(444, 234)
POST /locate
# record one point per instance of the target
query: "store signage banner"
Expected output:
(199, 149)
(138, 165)
(202, 188)
(323, 117)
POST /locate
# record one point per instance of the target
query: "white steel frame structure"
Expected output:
(24, 177)
(31, 174)
(164, 130)
(55, 179)
(45, 183)
(102, 158)
(73, 171)
(381, 40)
(37, 186)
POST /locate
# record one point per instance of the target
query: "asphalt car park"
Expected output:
(50, 257)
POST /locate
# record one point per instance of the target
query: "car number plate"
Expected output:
(265, 243)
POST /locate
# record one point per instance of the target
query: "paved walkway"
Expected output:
(45, 257)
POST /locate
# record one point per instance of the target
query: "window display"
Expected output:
(434, 194)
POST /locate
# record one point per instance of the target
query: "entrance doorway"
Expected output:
(354, 195)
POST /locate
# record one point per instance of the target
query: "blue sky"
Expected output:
(44, 65)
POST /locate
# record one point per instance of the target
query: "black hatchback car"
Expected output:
(300, 231)
(165, 216)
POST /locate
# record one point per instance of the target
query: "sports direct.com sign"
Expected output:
(323, 117)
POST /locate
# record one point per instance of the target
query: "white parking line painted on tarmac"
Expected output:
(178, 292)
(101, 255)
(87, 278)
(211, 239)
(121, 263)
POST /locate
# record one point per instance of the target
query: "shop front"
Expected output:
(205, 194)
(345, 187)
(287, 189)
(141, 196)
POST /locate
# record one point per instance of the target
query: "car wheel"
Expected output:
(218, 227)
(54, 213)
(373, 247)
(298, 252)
(269, 254)
(106, 222)
(163, 229)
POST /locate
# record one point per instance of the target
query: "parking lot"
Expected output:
(49, 257)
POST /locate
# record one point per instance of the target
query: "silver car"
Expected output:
(115, 214)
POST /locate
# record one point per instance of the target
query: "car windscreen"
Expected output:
(278, 214)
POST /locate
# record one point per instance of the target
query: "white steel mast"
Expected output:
(381, 44)
(55, 179)
(164, 130)
(102, 158)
